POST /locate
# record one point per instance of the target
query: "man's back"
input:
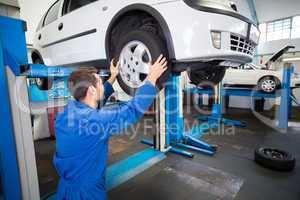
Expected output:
(82, 130)
(82, 135)
(81, 152)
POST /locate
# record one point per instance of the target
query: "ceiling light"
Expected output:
(291, 59)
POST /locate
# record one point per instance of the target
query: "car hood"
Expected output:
(269, 71)
(278, 54)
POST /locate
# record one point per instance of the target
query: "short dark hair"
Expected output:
(79, 82)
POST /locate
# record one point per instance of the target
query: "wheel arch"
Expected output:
(270, 76)
(35, 54)
(148, 10)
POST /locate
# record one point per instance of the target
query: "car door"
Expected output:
(231, 76)
(242, 75)
(247, 75)
(46, 36)
(77, 32)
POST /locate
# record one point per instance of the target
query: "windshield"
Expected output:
(40, 25)
(219, 4)
(257, 66)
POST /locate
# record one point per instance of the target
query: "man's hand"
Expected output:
(114, 71)
(157, 69)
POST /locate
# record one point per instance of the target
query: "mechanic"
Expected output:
(83, 131)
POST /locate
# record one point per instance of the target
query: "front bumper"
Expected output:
(295, 82)
(191, 34)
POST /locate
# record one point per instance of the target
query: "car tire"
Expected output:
(43, 83)
(268, 84)
(154, 46)
(275, 159)
(211, 75)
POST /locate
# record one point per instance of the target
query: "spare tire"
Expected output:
(274, 159)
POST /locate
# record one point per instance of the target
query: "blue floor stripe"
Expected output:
(126, 169)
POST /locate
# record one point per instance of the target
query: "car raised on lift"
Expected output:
(193, 34)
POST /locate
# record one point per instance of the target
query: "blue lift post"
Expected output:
(178, 136)
(285, 109)
(175, 133)
(173, 118)
(13, 54)
(215, 119)
(9, 42)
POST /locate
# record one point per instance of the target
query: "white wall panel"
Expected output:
(32, 11)
(14, 3)
(268, 10)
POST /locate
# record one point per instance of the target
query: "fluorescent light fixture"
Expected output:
(216, 39)
(291, 59)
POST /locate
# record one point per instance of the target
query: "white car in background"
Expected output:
(249, 75)
(265, 79)
(193, 34)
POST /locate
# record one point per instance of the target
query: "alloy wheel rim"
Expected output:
(268, 85)
(38, 81)
(271, 153)
(134, 63)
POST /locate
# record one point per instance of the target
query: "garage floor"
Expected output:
(230, 174)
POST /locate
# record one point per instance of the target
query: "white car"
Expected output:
(193, 34)
(250, 75)
(263, 77)
(253, 75)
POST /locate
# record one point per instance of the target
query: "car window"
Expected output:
(71, 5)
(52, 13)
(246, 67)
(40, 25)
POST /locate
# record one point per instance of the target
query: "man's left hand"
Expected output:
(114, 71)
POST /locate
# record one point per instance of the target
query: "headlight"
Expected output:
(216, 39)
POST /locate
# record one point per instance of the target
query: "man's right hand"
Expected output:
(157, 69)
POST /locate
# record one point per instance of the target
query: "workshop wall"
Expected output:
(268, 10)
(10, 8)
(13, 3)
(32, 11)
(271, 47)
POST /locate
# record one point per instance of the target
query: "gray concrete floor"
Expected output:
(230, 174)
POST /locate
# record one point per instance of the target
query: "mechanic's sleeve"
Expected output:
(122, 116)
(108, 91)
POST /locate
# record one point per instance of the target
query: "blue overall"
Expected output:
(82, 135)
